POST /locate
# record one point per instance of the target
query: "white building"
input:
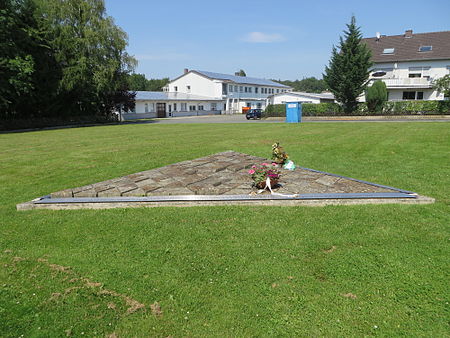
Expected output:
(166, 104)
(235, 91)
(409, 63)
(302, 97)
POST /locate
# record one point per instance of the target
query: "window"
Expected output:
(174, 107)
(236, 89)
(175, 88)
(258, 105)
(249, 89)
(213, 106)
(423, 71)
(278, 91)
(256, 90)
(389, 51)
(241, 89)
(152, 107)
(248, 104)
(409, 95)
(200, 107)
(188, 89)
(245, 89)
(183, 106)
(230, 88)
(224, 88)
(425, 48)
(146, 107)
(412, 95)
(191, 108)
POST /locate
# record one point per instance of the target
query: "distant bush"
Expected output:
(389, 108)
(321, 109)
(275, 110)
(376, 96)
(44, 122)
(416, 108)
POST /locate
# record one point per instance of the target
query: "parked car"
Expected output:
(253, 114)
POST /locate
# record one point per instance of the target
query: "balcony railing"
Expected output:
(406, 82)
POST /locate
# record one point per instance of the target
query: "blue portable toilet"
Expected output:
(293, 112)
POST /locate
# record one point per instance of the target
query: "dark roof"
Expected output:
(407, 48)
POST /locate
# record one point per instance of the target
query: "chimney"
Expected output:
(409, 33)
(186, 70)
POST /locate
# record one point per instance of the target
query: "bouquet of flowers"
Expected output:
(261, 172)
(278, 154)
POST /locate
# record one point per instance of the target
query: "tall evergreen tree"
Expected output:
(348, 70)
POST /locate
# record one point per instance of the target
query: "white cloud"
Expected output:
(259, 37)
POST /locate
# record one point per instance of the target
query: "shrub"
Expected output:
(389, 108)
(321, 109)
(275, 110)
(376, 96)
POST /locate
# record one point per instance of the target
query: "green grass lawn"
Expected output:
(226, 271)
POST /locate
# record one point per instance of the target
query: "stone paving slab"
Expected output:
(219, 174)
(223, 174)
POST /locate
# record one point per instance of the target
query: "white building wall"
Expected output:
(199, 85)
(183, 108)
(397, 77)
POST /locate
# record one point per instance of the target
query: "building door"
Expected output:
(161, 109)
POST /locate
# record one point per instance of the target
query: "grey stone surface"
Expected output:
(223, 173)
(219, 174)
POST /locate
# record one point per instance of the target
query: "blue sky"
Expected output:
(268, 39)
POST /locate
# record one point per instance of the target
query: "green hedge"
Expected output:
(389, 108)
(44, 122)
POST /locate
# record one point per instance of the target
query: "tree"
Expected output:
(241, 73)
(16, 62)
(376, 96)
(443, 85)
(137, 82)
(90, 49)
(140, 82)
(348, 70)
(308, 85)
(156, 85)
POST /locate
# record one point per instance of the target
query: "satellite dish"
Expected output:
(379, 73)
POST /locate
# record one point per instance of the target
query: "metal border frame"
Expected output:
(210, 198)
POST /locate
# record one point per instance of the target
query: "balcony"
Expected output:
(406, 83)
